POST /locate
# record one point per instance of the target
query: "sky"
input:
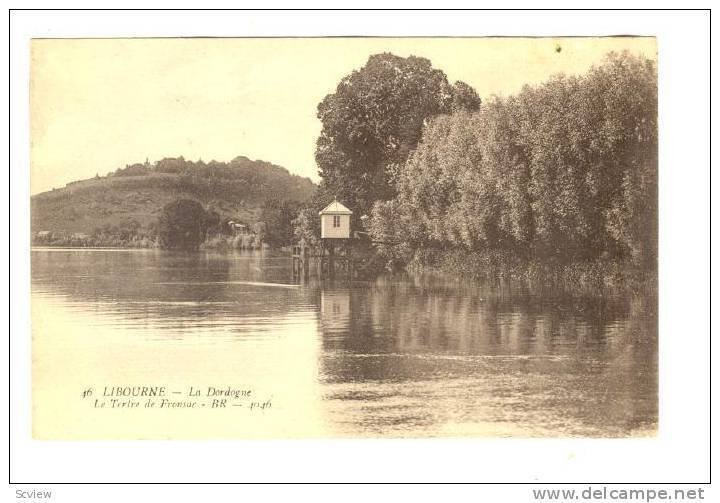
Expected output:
(99, 104)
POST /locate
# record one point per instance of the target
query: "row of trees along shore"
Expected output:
(184, 224)
(557, 183)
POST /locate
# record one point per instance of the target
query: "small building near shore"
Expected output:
(335, 221)
(238, 227)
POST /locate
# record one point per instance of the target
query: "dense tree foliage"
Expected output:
(182, 225)
(562, 172)
(278, 215)
(306, 226)
(132, 170)
(239, 178)
(374, 120)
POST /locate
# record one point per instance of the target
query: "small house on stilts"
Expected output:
(335, 224)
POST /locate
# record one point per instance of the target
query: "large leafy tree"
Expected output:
(181, 225)
(374, 120)
(278, 216)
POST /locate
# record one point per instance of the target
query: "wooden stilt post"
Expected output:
(350, 262)
(305, 261)
(331, 261)
(320, 259)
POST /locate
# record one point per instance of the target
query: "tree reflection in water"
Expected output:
(525, 364)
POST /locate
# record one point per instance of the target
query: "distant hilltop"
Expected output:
(235, 190)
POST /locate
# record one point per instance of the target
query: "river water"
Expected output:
(394, 357)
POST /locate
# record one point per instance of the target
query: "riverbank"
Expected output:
(97, 242)
(596, 277)
(583, 277)
(237, 242)
(219, 243)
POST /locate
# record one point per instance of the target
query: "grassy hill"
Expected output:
(235, 190)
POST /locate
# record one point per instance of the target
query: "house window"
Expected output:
(336, 220)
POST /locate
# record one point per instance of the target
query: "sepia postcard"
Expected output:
(243, 238)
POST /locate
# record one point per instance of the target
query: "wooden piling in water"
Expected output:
(328, 260)
(301, 261)
(331, 261)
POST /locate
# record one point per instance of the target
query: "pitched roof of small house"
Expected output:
(335, 208)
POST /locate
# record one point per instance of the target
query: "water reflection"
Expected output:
(537, 366)
(411, 356)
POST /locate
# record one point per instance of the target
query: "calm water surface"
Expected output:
(396, 357)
